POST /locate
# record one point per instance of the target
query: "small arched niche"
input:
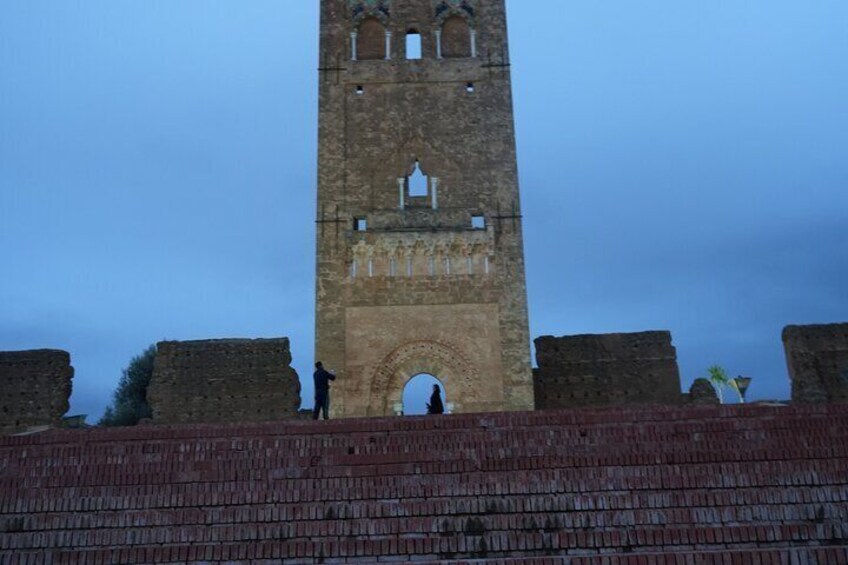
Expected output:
(417, 392)
(371, 40)
(456, 38)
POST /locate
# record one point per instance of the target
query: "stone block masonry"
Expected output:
(34, 388)
(232, 380)
(817, 357)
(612, 369)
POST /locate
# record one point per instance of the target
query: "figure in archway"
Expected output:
(417, 395)
(435, 405)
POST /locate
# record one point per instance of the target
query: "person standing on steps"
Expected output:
(322, 380)
(435, 406)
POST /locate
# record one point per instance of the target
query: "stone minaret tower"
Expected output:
(420, 263)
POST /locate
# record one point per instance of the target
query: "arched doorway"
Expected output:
(416, 394)
(452, 370)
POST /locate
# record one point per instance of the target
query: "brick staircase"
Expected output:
(711, 485)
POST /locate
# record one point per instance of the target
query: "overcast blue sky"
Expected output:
(684, 166)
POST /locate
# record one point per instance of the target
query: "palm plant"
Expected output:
(719, 379)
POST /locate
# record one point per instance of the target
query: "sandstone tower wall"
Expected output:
(420, 263)
(34, 388)
(235, 380)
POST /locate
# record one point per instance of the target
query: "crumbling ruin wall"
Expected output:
(817, 357)
(233, 380)
(612, 369)
(34, 388)
(702, 392)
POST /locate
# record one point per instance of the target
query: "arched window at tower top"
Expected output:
(371, 40)
(456, 38)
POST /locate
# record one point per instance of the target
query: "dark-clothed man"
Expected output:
(322, 380)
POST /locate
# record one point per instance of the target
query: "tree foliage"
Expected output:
(129, 402)
(719, 379)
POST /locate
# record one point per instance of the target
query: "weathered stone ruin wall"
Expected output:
(235, 380)
(702, 392)
(817, 357)
(613, 369)
(34, 388)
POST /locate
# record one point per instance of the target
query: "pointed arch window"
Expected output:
(370, 40)
(417, 182)
(456, 40)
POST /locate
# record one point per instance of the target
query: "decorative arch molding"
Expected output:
(456, 39)
(456, 35)
(416, 163)
(363, 9)
(446, 9)
(403, 248)
(436, 358)
(431, 161)
(370, 41)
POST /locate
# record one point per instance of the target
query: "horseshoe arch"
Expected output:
(441, 360)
